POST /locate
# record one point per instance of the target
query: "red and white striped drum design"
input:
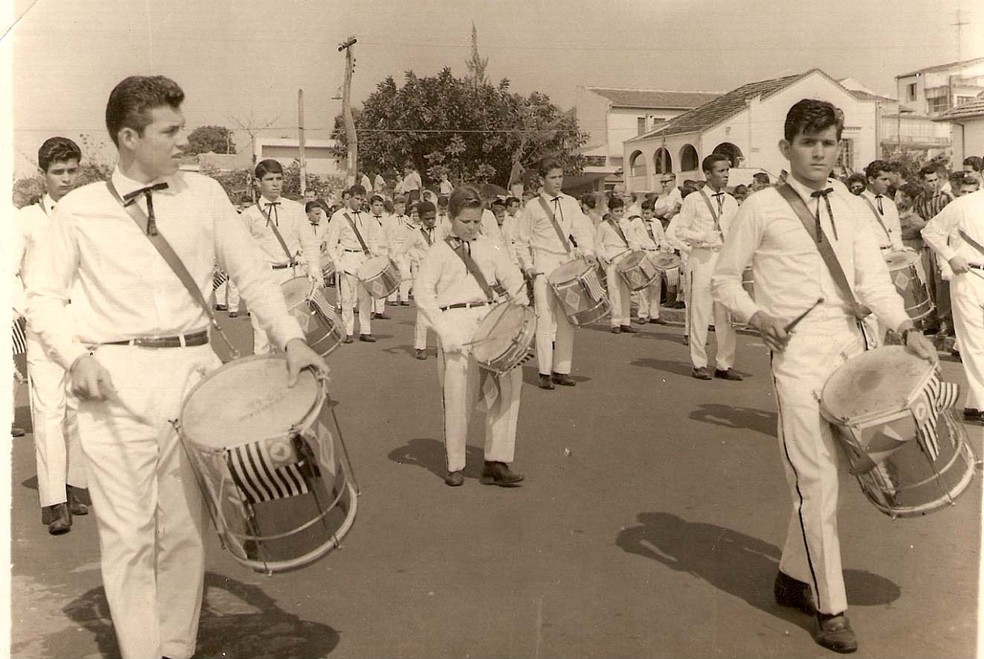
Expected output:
(578, 289)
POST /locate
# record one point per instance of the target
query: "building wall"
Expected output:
(591, 110)
(967, 81)
(317, 155)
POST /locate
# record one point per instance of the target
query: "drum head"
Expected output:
(372, 267)
(665, 261)
(631, 260)
(568, 271)
(896, 260)
(876, 381)
(497, 330)
(295, 291)
(247, 400)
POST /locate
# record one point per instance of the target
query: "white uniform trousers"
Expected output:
(402, 293)
(967, 294)
(649, 299)
(352, 292)
(554, 332)
(620, 295)
(420, 332)
(228, 295)
(811, 454)
(147, 503)
(57, 451)
(701, 306)
(261, 342)
(463, 386)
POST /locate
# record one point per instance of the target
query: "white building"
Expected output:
(967, 126)
(936, 89)
(746, 124)
(285, 150)
(613, 115)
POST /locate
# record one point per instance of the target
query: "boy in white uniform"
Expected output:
(615, 240)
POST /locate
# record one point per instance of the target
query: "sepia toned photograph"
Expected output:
(639, 329)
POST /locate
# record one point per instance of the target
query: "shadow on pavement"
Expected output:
(407, 349)
(429, 454)
(238, 620)
(672, 366)
(737, 417)
(735, 563)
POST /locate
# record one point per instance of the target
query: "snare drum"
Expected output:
(327, 269)
(323, 330)
(270, 462)
(902, 267)
(380, 276)
(637, 270)
(504, 337)
(668, 266)
(578, 289)
(891, 412)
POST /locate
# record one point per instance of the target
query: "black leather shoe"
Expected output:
(970, 415)
(404, 304)
(221, 307)
(563, 379)
(348, 339)
(234, 314)
(686, 340)
(58, 518)
(368, 338)
(498, 473)
(382, 316)
(16, 431)
(628, 329)
(834, 633)
(546, 382)
(75, 504)
(728, 374)
(616, 330)
(640, 321)
(701, 373)
(420, 354)
(454, 479)
(794, 594)
(657, 321)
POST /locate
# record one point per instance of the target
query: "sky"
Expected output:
(241, 62)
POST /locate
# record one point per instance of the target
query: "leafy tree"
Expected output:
(210, 139)
(475, 132)
(476, 63)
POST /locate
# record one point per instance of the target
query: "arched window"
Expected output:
(662, 161)
(733, 152)
(688, 158)
(637, 164)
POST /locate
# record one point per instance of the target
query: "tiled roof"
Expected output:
(943, 67)
(654, 98)
(965, 111)
(868, 96)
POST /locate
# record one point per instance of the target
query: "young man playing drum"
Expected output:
(653, 239)
(415, 248)
(284, 235)
(454, 294)
(776, 231)
(543, 242)
(139, 345)
(616, 239)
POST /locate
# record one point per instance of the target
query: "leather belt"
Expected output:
(280, 266)
(180, 341)
(465, 305)
(357, 251)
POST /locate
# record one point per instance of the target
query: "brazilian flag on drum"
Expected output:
(271, 469)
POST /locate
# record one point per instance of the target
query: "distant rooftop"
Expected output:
(943, 67)
(966, 111)
(654, 98)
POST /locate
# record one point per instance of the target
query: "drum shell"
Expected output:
(668, 266)
(381, 277)
(323, 329)
(637, 270)
(500, 360)
(579, 291)
(909, 284)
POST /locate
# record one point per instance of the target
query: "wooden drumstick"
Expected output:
(795, 321)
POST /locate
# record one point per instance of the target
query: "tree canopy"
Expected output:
(475, 132)
(210, 139)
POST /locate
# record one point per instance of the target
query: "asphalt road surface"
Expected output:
(649, 525)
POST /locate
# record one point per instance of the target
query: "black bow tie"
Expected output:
(556, 199)
(821, 193)
(130, 196)
(149, 191)
(830, 212)
(718, 194)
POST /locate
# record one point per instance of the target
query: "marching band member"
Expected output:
(653, 239)
(543, 242)
(57, 451)
(454, 294)
(319, 224)
(416, 246)
(777, 235)
(284, 235)
(616, 239)
(352, 238)
(135, 348)
(886, 225)
(401, 229)
(377, 209)
(705, 219)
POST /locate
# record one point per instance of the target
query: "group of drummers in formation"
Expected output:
(131, 403)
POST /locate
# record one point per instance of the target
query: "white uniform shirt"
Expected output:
(609, 243)
(419, 241)
(535, 232)
(789, 273)
(666, 203)
(508, 229)
(889, 235)
(651, 233)
(400, 230)
(942, 233)
(129, 290)
(321, 233)
(30, 221)
(411, 182)
(696, 225)
(294, 226)
(383, 233)
(342, 242)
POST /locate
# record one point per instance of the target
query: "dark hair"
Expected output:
(464, 196)
(498, 202)
(856, 178)
(810, 116)
(647, 205)
(57, 149)
(268, 166)
(544, 166)
(740, 189)
(976, 162)
(400, 199)
(911, 190)
(926, 170)
(707, 164)
(876, 167)
(309, 206)
(761, 177)
(589, 200)
(357, 190)
(132, 100)
(424, 207)
(615, 202)
(510, 200)
(388, 206)
(373, 199)
(442, 201)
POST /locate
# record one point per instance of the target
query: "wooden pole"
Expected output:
(350, 133)
(300, 140)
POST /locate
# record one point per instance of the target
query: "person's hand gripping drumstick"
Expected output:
(774, 332)
(301, 356)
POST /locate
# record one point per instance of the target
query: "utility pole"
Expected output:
(351, 135)
(959, 25)
(300, 140)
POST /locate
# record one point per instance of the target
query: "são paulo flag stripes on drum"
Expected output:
(266, 470)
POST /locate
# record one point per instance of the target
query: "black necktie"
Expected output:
(558, 211)
(148, 191)
(272, 214)
(720, 200)
(817, 195)
(878, 200)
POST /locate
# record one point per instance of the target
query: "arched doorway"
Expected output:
(731, 151)
(662, 161)
(688, 158)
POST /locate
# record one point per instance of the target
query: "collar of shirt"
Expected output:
(265, 203)
(804, 191)
(550, 198)
(48, 204)
(125, 185)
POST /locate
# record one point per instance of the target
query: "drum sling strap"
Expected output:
(618, 230)
(556, 225)
(970, 241)
(280, 239)
(823, 246)
(714, 215)
(358, 235)
(173, 260)
(472, 267)
(874, 211)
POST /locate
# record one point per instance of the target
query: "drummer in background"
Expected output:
(418, 242)
(316, 216)
(790, 277)
(401, 229)
(886, 226)
(274, 213)
(348, 255)
(616, 239)
(705, 220)
(454, 303)
(653, 239)
(139, 344)
(956, 235)
(540, 251)
(377, 210)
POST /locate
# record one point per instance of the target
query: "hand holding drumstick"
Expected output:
(774, 331)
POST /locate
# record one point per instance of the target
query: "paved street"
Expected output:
(649, 525)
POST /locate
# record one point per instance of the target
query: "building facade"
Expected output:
(936, 89)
